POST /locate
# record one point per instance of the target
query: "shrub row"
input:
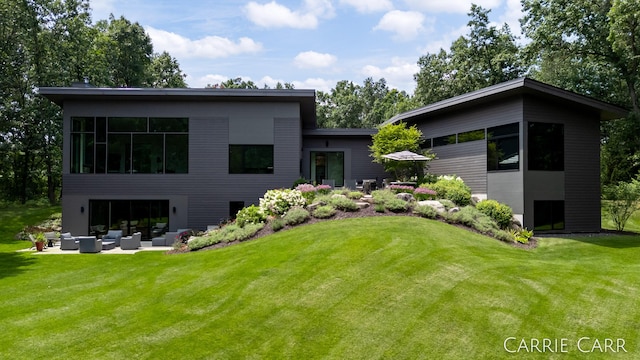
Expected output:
(228, 233)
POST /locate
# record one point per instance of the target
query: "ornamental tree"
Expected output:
(393, 138)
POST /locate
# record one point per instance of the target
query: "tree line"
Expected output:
(591, 48)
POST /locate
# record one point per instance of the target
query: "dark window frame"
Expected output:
(545, 142)
(549, 215)
(240, 152)
(501, 137)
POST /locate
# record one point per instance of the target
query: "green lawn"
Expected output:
(373, 288)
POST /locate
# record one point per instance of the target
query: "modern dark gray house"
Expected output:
(532, 146)
(133, 158)
(191, 157)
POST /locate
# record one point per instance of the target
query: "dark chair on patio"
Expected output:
(68, 242)
(131, 242)
(113, 236)
(89, 244)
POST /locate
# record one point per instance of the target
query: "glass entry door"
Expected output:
(127, 215)
(327, 165)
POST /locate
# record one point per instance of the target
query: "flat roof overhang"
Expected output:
(305, 97)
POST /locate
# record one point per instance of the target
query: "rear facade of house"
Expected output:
(527, 144)
(191, 158)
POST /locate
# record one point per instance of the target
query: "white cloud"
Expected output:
(399, 74)
(405, 24)
(445, 40)
(208, 47)
(318, 84)
(451, 6)
(369, 6)
(312, 59)
(203, 81)
(274, 15)
(512, 15)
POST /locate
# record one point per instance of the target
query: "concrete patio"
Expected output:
(146, 246)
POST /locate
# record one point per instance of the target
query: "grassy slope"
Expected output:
(393, 287)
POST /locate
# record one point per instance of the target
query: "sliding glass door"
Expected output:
(327, 165)
(127, 215)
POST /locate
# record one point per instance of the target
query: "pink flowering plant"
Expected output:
(423, 193)
(308, 191)
(323, 189)
(401, 189)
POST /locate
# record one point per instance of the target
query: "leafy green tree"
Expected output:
(621, 201)
(393, 138)
(350, 105)
(485, 56)
(165, 72)
(591, 48)
(127, 50)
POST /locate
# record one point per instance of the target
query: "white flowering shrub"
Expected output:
(450, 178)
(278, 202)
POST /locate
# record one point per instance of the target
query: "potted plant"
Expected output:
(40, 240)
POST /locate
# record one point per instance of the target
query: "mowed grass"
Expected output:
(371, 288)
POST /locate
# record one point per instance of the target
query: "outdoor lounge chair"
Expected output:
(89, 244)
(68, 242)
(131, 242)
(166, 240)
(113, 236)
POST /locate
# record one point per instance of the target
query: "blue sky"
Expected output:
(310, 43)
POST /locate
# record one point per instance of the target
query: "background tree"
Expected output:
(349, 105)
(485, 56)
(53, 43)
(591, 48)
(393, 138)
(165, 72)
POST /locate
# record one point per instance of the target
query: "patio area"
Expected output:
(145, 246)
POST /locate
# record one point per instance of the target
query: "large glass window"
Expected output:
(144, 216)
(126, 145)
(503, 147)
(251, 159)
(546, 146)
(548, 215)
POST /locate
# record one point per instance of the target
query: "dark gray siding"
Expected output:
(582, 173)
(469, 160)
(581, 164)
(202, 196)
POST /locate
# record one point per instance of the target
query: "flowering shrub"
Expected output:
(423, 193)
(250, 215)
(401, 189)
(452, 188)
(278, 202)
(323, 189)
(450, 178)
(308, 191)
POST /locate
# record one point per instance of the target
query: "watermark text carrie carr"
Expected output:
(584, 344)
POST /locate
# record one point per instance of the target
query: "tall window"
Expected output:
(548, 215)
(250, 159)
(503, 147)
(546, 146)
(328, 165)
(125, 145)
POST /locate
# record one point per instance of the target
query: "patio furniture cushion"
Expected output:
(68, 242)
(90, 244)
(167, 240)
(113, 235)
(108, 245)
(131, 242)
